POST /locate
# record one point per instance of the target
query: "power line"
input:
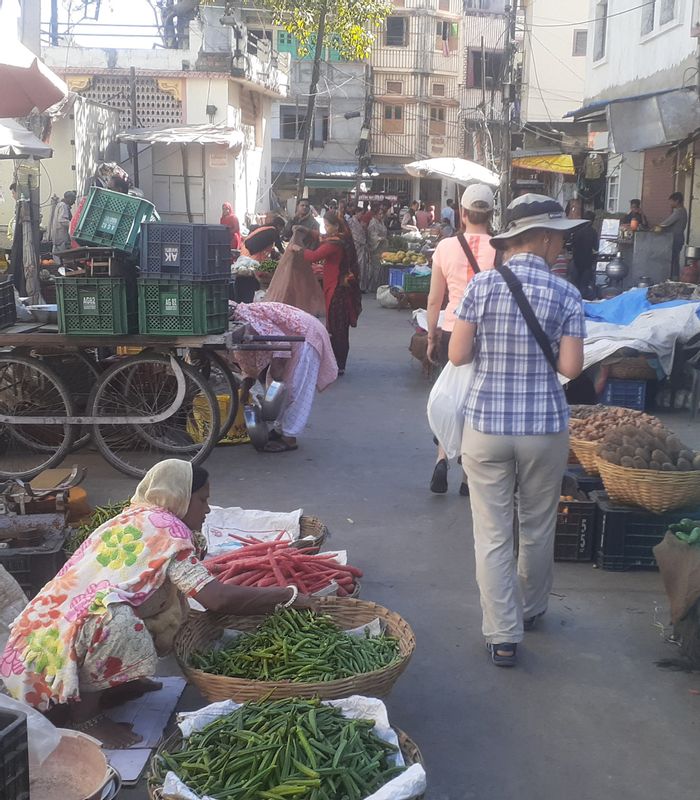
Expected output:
(595, 19)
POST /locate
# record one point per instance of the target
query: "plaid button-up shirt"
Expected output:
(514, 391)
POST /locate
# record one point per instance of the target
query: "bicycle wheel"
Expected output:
(146, 385)
(29, 388)
(225, 384)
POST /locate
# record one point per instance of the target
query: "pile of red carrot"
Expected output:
(277, 564)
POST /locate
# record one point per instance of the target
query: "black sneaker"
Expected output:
(464, 489)
(438, 483)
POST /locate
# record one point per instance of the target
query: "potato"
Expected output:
(655, 466)
(660, 456)
(640, 463)
(614, 458)
(669, 467)
(684, 465)
(696, 461)
(673, 445)
(627, 450)
(626, 461)
(688, 455)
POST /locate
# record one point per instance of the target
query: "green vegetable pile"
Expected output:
(299, 646)
(268, 265)
(99, 516)
(283, 749)
(687, 530)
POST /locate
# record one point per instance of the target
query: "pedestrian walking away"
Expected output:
(341, 286)
(452, 271)
(516, 414)
(377, 237)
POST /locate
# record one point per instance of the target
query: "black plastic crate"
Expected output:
(8, 311)
(627, 535)
(628, 394)
(586, 483)
(34, 567)
(185, 252)
(575, 532)
(14, 756)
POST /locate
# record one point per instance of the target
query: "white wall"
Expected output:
(635, 63)
(553, 78)
(629, 169)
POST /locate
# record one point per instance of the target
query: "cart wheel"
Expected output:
(28, 388)
(145, 385)
(224, 382)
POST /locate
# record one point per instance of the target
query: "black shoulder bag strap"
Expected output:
(526, 309)
(468, 252)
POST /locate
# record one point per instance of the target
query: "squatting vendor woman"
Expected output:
(92, 636)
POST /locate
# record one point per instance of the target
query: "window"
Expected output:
(580, 43)
(393, 119)
(613, 201)
(657, 13)
(446, 36)
(438, 90)
(257, 42)
(286, 43)
(601, 30)
(495, 6)
(292, 122)
(489, 73)
(396, 31)
(443, 5)
(437, 121)
(394, 87)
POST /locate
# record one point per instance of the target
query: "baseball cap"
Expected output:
(477, 196)
(534, 211)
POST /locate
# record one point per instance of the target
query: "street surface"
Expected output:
(586, 715)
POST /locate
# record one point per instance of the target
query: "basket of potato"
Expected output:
(588, 426)
(647, 465)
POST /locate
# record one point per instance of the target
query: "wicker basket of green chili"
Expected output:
(291, 655)
(285, 748)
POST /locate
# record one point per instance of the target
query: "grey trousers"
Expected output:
(513, 589)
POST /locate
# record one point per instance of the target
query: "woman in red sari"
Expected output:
(230, 220)
(341, 286)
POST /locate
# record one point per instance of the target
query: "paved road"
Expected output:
(586, 715)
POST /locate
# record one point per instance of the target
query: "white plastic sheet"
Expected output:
(222, 525)
(42, 736)
(409, 784)
(446, 406)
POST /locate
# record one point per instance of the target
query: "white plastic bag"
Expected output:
(446, 406)
(385, 298)
(42, 737)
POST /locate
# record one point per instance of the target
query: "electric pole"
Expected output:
(362, 152)
(508, 102)
(311, 105)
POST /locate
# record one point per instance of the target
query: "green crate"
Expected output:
(182, 308)
(97, 306)
(112, 219)
(416, 283)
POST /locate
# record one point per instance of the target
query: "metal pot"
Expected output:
(274, 400)
(45, 313)
(617, 269)
(692, 252)
(256, 426)
(644, 282)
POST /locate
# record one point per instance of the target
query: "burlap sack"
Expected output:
(680, 570)
(295, 284)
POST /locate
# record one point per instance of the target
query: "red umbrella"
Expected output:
(27, 83)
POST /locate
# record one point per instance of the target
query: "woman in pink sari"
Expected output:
(309, 366)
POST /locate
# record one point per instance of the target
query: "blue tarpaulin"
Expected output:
(625, 308)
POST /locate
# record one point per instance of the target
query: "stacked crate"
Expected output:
(103, 301)
(185, 275)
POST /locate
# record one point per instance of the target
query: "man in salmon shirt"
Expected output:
(452, 271)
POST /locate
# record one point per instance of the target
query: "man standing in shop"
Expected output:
(676, 223)
(449, 212)
(305, 218)
(60, 232)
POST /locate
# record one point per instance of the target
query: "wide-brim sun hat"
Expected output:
(533, 211)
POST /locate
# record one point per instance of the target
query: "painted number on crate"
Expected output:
(88, 303)
(170, 304)
(171, 255)
(583, 538)
(109, 223)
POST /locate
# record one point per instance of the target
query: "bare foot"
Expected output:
(113, 735)
(129, 691)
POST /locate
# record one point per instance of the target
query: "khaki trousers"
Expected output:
(513, 588)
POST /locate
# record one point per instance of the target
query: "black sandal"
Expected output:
(438, 483)
(503, 655)
(531, 622)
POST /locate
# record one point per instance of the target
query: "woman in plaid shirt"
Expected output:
(516, 417)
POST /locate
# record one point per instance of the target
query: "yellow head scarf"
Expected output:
(168, 485)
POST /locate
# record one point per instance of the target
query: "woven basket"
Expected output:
(655, 491)
(585, 452)
(636, 368)
(156, 776)
(200, 632)
(312, 527)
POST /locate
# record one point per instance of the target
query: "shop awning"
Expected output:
(27, 83)
(562, 164)
(18, 142)
(231, 138)
(332, 183)
(316, 169)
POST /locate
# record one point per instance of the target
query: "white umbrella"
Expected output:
(18, 142)
(455, 169)
(27, 83)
